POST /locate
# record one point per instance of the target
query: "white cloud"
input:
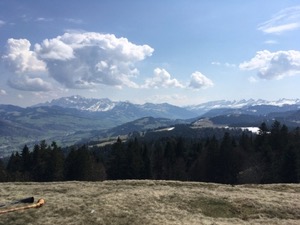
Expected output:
(26, 67)
(20, 58)
(285, 20)
(162, 78)
(42, 19)
(274, 65)
(2, 23)
(26, 83)
(216, 63)
(2, 92)
(76, 21)
(198, 80)
(229, 65)
(80, 67)
(79, 60)
(271, 42)
(54, 49)
(252, 79)
(281, 28)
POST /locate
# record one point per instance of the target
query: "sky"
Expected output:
(183, 52)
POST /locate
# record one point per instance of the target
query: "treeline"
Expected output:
(47, 163)
(272, 156)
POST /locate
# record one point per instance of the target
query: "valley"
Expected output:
(76, 119)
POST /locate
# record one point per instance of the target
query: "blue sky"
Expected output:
(176, 51)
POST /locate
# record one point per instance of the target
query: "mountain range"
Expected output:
(105, 104)
(71, 119)
(132, 111)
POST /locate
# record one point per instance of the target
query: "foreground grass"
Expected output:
(153, 202)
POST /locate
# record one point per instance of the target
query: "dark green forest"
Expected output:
(271, 156)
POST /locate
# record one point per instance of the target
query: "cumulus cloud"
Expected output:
(26, 66)
(162, 78)
(26, 83)
(285, 20)
(85, 60)
(54, 49)
(274, 65)
(92, 58)
(20, 58)
(198, 80)
(79, 60)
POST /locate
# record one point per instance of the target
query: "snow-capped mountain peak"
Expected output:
(105, 104)
(122, 107)
(82, 103)
(242, 104)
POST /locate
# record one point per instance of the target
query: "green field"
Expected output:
(153, 202)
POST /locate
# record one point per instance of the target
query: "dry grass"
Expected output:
(154, 202)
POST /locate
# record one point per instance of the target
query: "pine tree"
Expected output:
(179, 169)
(55, 164)
(169, 161)
(146, 170)
(15, 167)
(117, 167)
(213, 161)
(225, 165)
(157, 158)
(14, 163)
(134, 160)
(275, 135)
(80, 165)
(41, 157)
(262, 137)
(3, 172)
(289, 173)
(246, 142)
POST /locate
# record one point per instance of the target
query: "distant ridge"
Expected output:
(105, 104)
(163, 110)
(81, 103)
(75, 118)
(285, 104)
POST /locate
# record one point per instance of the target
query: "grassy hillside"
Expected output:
(154, 202)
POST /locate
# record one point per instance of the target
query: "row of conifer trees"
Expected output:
(272, 156)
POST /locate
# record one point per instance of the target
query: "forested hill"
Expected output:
(76, 119)
(272, 156)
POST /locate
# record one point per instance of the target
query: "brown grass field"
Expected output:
(153, 202)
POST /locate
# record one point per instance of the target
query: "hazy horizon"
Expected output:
(288, 101)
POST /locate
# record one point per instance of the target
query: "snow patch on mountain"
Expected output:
(105, 105)
(82, 103)
(242, 103)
